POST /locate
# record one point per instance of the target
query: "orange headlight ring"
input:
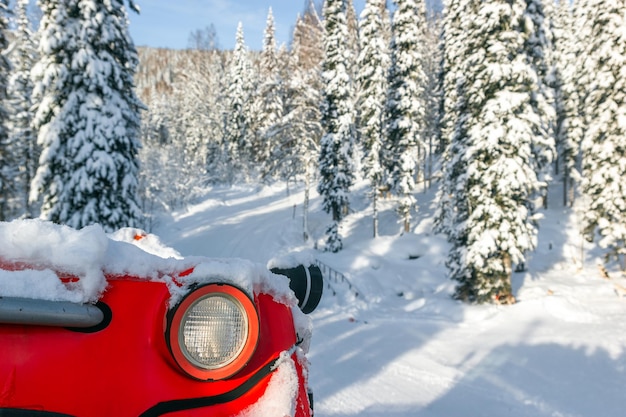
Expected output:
(174, 328)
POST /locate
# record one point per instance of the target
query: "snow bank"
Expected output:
(36, 253)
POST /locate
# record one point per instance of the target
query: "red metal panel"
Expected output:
(126, 368)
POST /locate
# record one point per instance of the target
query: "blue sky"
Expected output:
(168, 23)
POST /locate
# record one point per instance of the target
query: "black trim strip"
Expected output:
(190, 403)
(14, 412)
(106, 320)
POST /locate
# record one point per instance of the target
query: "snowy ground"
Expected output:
(402, 346)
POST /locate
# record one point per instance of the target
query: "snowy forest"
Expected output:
(488, 102)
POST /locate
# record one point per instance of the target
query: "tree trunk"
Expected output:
(430, 161)
(375, 214)
(565, 188)
(305, 205)
(508, 268)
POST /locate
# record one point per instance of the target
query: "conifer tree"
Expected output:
(7, 159)
(88, 116)
(405, 106)
(582, 17)
(215, 104)
(492, 176)
(373, 64)
(582, 69)
(432, 98)
(7, 156)
(22, 138)
(568, 124)
(604, 145)
(453, 50)
(539, 50)
(352, 41)
(336, 162)
(269, 94)
(386, 16)
(237, 124)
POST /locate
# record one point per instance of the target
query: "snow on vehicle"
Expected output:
(118, 325)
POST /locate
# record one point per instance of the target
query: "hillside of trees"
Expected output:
(487, 101)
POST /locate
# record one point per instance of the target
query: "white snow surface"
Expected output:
(402, 346)
(279, 398)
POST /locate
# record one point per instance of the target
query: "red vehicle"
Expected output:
(123, 332)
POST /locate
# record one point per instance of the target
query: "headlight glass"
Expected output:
(214, 331)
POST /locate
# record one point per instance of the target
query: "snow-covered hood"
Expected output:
(40, 251)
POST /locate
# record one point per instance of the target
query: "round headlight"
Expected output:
(213, 332)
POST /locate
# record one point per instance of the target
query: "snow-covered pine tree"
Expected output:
(22, 137)
(88, 116)
(336, 163)
(237, 113)
(405, 107)
(492, 173)
(453, 50)
(353, 44)
(51, 70)
(386, 16)
(111, 119)
(7, 159)
(269, 95)
(217, 167)
(298, 131)
(432, 97)
(568, 125)
(582, 71)
(538, 47)
(373, 66)
(353, 36)
(604, 141)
